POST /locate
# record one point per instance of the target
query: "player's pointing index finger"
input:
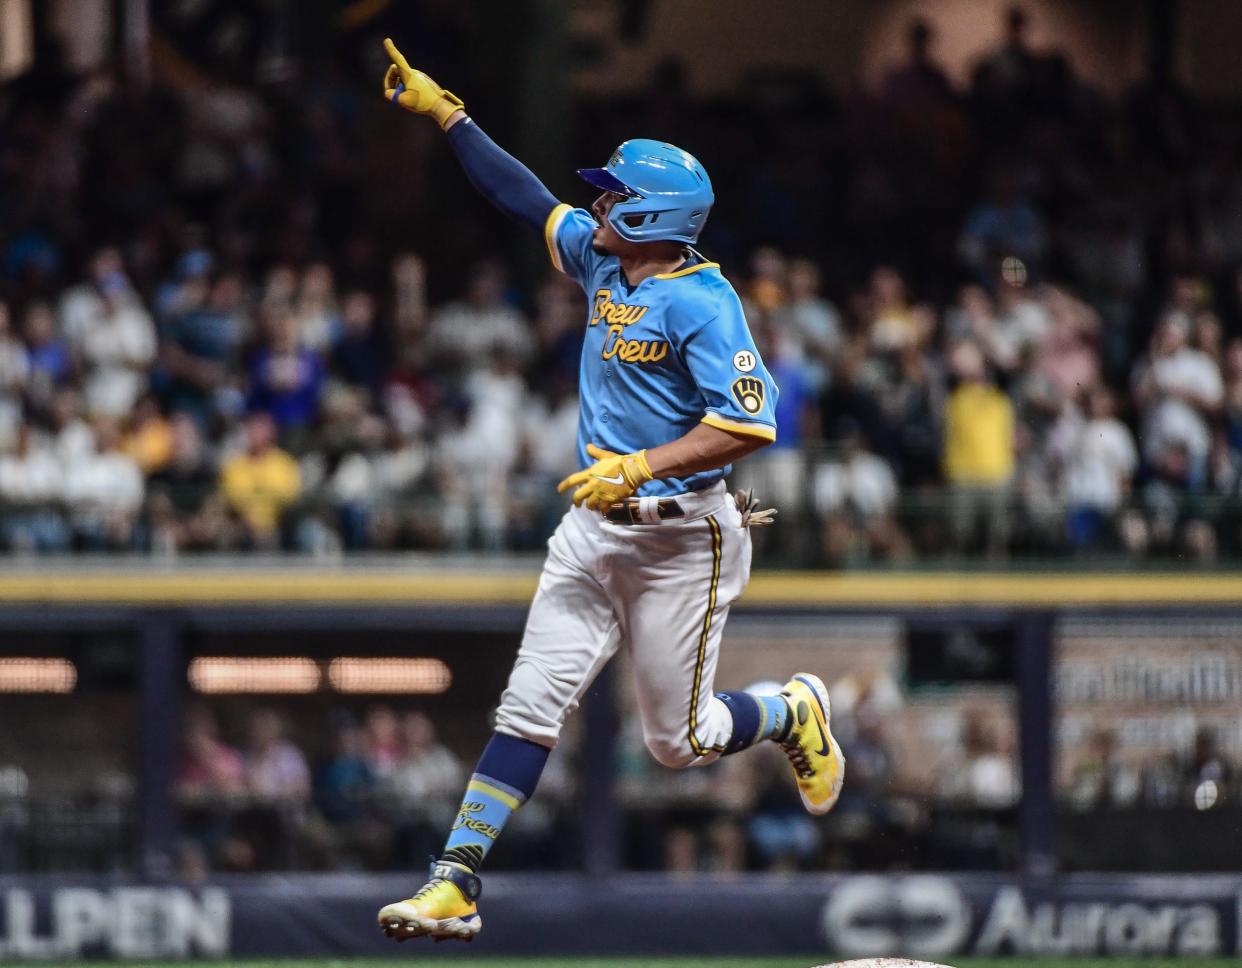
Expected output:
(397, 57)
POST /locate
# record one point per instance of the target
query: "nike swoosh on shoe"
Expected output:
(823, 737)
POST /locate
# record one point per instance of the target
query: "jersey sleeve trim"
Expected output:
(550, 228)
(740, 427)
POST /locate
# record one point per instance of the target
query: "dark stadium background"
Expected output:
(283, 403)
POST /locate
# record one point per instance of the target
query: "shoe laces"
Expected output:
(797, 756)
(427, 888)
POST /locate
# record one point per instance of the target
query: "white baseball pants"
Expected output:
(661, 590)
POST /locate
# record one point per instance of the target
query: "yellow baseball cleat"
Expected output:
(818, 764)
(443, 908)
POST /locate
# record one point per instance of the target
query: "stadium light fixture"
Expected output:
(235, 674)
(389, 675)
(33, 675)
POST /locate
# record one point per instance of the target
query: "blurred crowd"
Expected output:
(957, 810)
(222, 418)
(934, 784)
(380, 794)
(378, 790)
(1109, 779)
(1005, 319)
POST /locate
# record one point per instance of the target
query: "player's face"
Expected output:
(605, 239)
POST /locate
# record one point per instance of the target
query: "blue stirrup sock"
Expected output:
(755, 718)
(505, 777)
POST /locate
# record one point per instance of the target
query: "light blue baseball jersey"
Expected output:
(659, 357)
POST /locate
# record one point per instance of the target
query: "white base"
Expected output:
(883, 963)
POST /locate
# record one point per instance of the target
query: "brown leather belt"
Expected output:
(626, 512)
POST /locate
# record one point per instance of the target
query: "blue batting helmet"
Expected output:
(667, 193)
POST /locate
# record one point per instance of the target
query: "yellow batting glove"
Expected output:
(612, 478)
(417, 92)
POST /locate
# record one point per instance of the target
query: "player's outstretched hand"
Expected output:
(417, 92)
(612, 478)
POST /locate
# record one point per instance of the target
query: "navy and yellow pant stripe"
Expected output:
(713, 588)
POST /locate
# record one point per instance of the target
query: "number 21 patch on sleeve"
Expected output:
(748, 392)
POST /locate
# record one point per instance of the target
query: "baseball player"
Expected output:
(653, 551)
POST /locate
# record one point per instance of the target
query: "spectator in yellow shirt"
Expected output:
(148, 439)
(978, 453)
(262, 482)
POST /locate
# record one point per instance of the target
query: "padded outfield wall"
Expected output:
(930, 916)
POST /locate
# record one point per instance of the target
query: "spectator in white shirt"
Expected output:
(79, 306)
(981, 769)
(467, 331)
(275, 767)
(118, 347)
(549, 432)
(856, 497)
(104, 491)
(476, 459)
(14, 377)
(30, 473)
(1023, 320)
(31, 488)
(549, 428)
(1177, 389)
(74, 439)
(1099, 459)
(319, 320)
(974, 316)
(428, 777)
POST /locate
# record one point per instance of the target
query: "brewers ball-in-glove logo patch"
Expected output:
(748, 392)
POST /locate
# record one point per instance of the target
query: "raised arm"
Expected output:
(499, 177)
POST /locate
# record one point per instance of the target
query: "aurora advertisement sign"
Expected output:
(931, 916)
(927, 916)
